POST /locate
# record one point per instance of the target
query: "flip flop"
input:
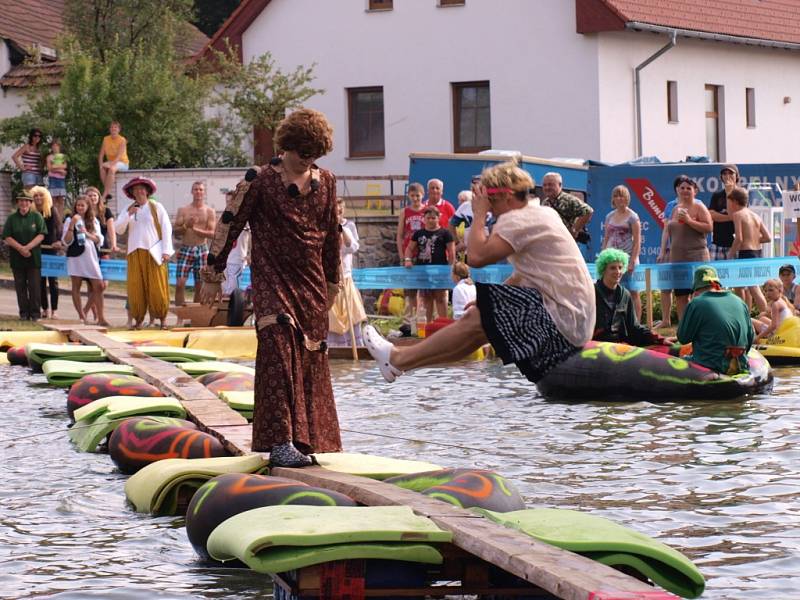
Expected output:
(380, 349)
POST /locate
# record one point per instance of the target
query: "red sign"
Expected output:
(650, 199)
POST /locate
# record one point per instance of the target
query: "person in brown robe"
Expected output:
(291, 207)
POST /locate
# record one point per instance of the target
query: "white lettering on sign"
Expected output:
(791, 205)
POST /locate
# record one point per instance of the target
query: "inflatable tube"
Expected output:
(228, 495)
(16, 356)
(95, 421)
(609, 543)
(276, 539)
(465, 488)
(783, 346)
(236, 305)
(155, 489)
(617, 372)
(102, 385)
(136, 443)
(228, 382)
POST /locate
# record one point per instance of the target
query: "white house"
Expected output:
(551, 78)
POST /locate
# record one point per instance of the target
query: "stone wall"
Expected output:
(378, 248)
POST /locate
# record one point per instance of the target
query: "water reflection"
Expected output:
(719, 481)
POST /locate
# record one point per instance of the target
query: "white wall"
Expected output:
(693, 64)
(543, 75)
(175, 186)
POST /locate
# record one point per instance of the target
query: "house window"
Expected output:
(472, 130)
(379, 5)
(452, 2)
(672, 101)
(750, 104)
(712, 122)
(365, 114)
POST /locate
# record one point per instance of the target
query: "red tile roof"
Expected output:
(25, 76)
(29, 22)
(772, 20)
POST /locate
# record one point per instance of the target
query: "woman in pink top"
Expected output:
(540, 316)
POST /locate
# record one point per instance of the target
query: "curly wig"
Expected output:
(305, 131)
(608, 256)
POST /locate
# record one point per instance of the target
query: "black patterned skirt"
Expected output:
(520, 329)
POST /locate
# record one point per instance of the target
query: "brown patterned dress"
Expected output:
(295, 255)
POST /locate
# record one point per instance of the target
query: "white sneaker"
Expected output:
(380, 349)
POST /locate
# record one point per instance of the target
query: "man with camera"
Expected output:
(574, 212)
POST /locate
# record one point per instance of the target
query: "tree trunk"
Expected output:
(262, 145)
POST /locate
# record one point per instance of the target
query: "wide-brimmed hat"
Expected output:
(729, 167)
(704, 276)
(145, 181)
(23, 197)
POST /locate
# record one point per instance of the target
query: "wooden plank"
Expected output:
(562, 573)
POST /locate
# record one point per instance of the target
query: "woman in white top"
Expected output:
(347, 308)
(541, 315)
(464, 293)
(149, 248)
(82, 230)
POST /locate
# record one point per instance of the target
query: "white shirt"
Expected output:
(238, 253)
(463, 294)
(464, 215)
(348, 251)
(547, 258)
(143, 235)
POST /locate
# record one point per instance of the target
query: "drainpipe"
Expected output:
(637, 86)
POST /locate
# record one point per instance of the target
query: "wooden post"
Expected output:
(648, 290)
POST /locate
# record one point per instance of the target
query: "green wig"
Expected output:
(608, 256)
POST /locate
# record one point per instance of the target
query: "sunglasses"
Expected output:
(305, 155)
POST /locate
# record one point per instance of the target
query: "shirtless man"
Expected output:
(194, 222)
(749, 234)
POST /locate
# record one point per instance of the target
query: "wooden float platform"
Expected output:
(554, 572)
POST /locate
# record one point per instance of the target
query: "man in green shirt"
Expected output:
(23, 231)
(717, 323)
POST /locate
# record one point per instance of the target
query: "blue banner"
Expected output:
(668, 276)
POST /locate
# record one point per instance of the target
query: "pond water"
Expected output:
(718, 481)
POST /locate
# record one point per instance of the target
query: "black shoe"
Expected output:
(405, 330)
(286, 455)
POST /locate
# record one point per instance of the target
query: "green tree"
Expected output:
(161, 110)
(102, 26)
(260, 93)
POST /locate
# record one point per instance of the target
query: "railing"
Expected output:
(370, 192)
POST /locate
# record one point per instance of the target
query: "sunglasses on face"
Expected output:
(305, 155)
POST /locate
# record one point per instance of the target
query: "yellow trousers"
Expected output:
(147, 286)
